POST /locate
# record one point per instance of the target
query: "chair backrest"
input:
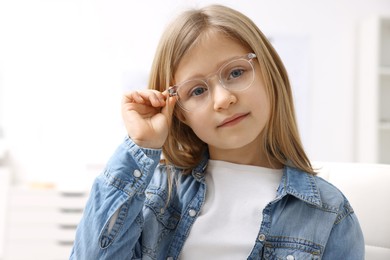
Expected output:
(367, 187)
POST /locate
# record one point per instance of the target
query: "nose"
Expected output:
(221, 97)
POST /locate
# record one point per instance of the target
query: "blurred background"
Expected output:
(65, 64)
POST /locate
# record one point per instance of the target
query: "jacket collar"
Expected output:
(300, 185)
(199, 171)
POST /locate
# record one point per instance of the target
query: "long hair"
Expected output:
(183, 148)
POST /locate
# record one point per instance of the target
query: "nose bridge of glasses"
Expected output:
(214, 79)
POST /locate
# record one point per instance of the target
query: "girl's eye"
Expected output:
(236, 73)
(197, 91)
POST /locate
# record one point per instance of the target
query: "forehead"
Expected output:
(212, 49)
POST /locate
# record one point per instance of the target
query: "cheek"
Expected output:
(193, 121)
(198, 123)
(260, 103)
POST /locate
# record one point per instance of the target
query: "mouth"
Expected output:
(233, 120)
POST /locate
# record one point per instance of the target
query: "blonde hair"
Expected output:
(183, 148)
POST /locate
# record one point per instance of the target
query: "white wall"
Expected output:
(65, 63)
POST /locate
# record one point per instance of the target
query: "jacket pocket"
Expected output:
(165, 213)
(291, 249)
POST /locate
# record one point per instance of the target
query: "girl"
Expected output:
(235, 182)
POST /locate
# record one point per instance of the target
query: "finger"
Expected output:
(157, 99)
(133, 97)
(142, 109)
(149, 97)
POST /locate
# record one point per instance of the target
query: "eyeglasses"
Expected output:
(234, 75)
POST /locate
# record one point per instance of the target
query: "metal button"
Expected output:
(261, 237)
(162, 210)
(137, 173)
(192, 213)
(290, 257)
(170, 258)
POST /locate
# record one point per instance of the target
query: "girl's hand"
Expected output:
(147, 115)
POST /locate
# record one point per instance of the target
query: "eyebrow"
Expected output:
(218, 66)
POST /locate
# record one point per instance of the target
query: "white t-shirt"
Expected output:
(228, 225)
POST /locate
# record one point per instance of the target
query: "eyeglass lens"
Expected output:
(237, 75)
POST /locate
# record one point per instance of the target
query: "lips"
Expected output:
(233, 120)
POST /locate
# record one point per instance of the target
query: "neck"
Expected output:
(245, 155)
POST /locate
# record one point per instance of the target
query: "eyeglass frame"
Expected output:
(172, 90)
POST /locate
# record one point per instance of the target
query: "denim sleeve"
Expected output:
(117, 193)
(346, 240)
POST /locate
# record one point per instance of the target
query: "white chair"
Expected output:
(367, 187)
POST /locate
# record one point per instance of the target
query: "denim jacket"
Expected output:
(128, 215)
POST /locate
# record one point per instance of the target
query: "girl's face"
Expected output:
(230, 123)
